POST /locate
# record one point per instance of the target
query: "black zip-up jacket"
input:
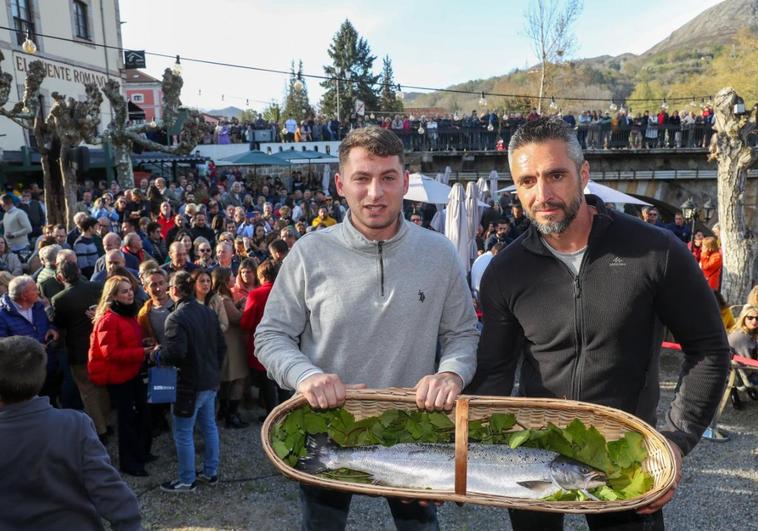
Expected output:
(596, 337)
(194, 344)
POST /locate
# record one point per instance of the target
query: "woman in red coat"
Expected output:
(271, 393)
(116, 359)
(710, 262)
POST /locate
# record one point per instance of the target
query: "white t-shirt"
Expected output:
(478, 267)
(572, 260)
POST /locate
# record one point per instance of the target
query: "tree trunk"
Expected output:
(53, 186)
(69, 185)
(730, 148)
(542, 87)
(124, 169)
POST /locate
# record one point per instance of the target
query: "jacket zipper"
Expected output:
(381, 267)
(577, 377)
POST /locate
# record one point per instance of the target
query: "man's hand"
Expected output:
(325, 391)
(51, 335)
(438, 391)
(669, 495)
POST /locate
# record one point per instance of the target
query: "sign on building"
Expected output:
(134, 59)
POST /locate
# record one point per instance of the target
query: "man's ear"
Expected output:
(339, 183)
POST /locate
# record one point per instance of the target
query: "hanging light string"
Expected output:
(300, 75)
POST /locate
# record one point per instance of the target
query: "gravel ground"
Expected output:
(718, 483)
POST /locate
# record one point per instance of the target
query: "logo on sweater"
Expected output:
(617, 262)
(421, 296)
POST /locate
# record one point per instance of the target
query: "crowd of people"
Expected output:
(178, 273)
(487, 129)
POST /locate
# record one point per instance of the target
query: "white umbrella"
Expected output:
(481, 183)
(606, 193)
(493, 178)
(473, 216)
(426, 190)
(326, 179)
(610, 195)
(456, 226)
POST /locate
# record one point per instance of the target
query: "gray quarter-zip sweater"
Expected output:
(371, 312)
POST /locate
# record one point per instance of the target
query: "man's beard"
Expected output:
(556, 227)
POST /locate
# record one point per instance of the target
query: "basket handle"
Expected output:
(461, 445)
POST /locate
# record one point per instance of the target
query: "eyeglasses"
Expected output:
(204, 250)
(751, 318)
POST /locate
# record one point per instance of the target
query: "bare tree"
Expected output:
(69, 123)
(731, 148)
(548, 25)
(123, 137)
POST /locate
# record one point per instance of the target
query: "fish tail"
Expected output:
(319, 448)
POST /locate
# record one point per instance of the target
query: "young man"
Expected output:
(583, 295)
(373, 313)
(56, 474)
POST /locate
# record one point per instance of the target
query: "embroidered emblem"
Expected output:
(617, 262)
(421, 296)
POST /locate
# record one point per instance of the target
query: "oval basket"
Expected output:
(530, 412)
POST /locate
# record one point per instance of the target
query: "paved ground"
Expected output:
(718, 488)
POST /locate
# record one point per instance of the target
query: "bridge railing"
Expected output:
(592, 137)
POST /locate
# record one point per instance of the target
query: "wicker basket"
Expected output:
(530, 412)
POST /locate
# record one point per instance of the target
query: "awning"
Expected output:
(136, 113)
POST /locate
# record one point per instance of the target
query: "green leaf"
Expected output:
(501, 422)
(639, 483)
(280, 449)
(628, 450)
(606, 493)
(314, 423)
(388, 417)
(518, 438)
(440, 420)
(593, 450)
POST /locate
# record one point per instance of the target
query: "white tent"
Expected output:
(456, 227)
(426, 190)
(606, 193)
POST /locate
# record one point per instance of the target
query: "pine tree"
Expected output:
(351, 58)
(296, 104)
(388, 101)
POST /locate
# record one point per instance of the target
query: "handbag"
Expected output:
(161, 385)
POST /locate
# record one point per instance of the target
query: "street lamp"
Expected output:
(689, 211)
(28, 45)
(708, 209)
(483, 100)
(177, 68)
(298, 85)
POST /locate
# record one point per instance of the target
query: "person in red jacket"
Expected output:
(710, 262)
(116, 358)
(166, 219)
(272, 394)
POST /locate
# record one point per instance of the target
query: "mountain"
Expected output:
(687, 54)
(228, 112)
(716, 25)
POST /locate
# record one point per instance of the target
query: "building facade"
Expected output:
(87, 25)
(144, 94)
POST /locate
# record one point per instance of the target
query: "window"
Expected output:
(22, 20)
(81, 22)
(138, 98)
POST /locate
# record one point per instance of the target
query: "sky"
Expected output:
(431, 43)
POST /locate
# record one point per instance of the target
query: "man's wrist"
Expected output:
(459, 377)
